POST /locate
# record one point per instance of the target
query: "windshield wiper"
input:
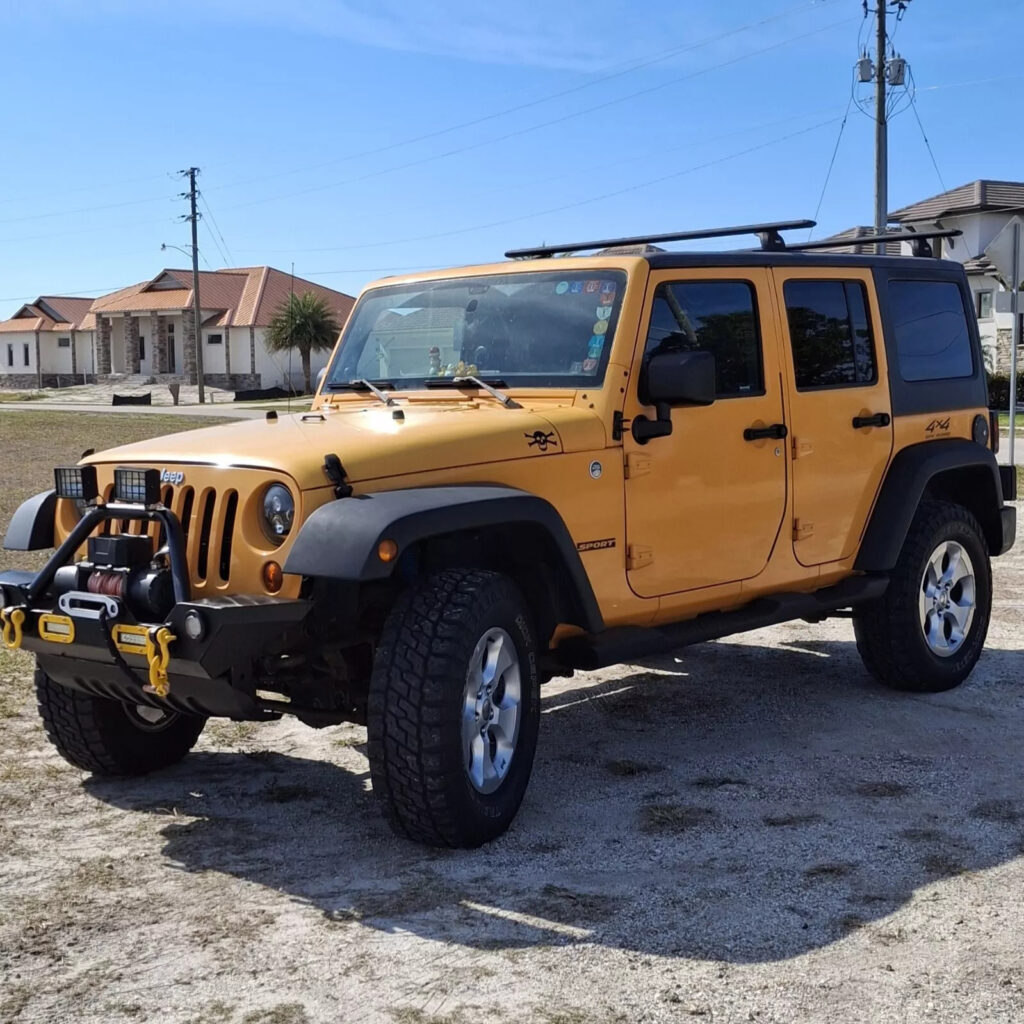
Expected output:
(362, 384)
(444, 382)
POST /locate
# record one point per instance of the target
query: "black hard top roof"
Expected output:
(795, 258)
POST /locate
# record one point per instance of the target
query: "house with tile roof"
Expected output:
(980, 209)
(149, 328)
(48, 343)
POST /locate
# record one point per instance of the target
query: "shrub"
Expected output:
(999, 390)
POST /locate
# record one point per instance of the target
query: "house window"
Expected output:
(63, 343)
(214, 339)
(24, 352)
(142, 346)
(830, 334)
(10, 355)
(984, 305)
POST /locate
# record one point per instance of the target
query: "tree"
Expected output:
(304, 322)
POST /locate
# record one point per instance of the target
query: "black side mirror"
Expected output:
(673, 378)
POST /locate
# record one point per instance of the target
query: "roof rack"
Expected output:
(767, 233)
(919, 240)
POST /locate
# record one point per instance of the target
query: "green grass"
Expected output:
(1004, 420)
(34, 442)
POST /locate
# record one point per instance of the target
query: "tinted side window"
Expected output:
(929, 324)
(711, 316)
(830, 334)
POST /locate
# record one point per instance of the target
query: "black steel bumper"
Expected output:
(95, 644)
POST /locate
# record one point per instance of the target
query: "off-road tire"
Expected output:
(416, 707)
(890, 638)
(100, 736)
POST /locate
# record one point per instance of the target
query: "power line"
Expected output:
(928, 145)
(544, 124)
(592, 199)
(831, 163)
(221, 245)
(35, 197)
(636, 157)
(86, 209)
(643, 62)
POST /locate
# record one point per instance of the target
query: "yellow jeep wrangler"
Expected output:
(513, 471)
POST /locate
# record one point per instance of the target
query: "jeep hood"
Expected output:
(371, 442)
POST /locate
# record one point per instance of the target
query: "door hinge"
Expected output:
(637, 464)
(638, 555)
(801, 448)
(802, 529)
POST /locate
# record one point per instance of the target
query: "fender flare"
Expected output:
(908, 477)
(33, 525)
(340, 540)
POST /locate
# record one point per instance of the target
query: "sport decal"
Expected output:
(601, 327)
(596, 545)
(603, 312)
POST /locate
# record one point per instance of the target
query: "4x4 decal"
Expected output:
(937, 427)
(541, 439)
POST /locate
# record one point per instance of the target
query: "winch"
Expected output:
(122, 566)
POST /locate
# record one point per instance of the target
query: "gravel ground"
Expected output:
(750, 831)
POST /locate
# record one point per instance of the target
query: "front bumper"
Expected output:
(94, 643)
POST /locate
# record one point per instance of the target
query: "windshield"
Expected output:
(528, 330)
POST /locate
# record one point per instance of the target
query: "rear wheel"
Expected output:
(927, 631)
(106, 737)
(454, 709)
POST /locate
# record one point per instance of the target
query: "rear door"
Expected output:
(840, 410)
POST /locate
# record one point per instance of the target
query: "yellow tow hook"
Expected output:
(158, 642)
(13, 619)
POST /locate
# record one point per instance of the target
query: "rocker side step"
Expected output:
(627, 643)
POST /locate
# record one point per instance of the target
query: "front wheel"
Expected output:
(106, 737)
(926, 633)
(454, 709)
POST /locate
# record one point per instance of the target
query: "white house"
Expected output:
(980, 210)
(48, 343)
(149, 328)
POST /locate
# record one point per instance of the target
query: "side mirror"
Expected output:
(678, 378)
(672, 378)
(321, 373)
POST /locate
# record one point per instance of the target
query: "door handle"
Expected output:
(880, 419)
(777, 431)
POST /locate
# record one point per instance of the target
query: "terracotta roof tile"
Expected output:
(974, 197)
(850, 235)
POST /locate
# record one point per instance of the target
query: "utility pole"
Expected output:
(881, 131)
(192, 195)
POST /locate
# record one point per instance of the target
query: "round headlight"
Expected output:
(278, 512)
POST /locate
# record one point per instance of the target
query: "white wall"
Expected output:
(274, 366)
(18, 339)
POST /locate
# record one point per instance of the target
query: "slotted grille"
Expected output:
(207, 522)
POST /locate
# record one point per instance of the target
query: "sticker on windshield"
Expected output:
(590, 366)
(561, 288)
(576, 287)
(601, 327)
(603, 312)
(592, 287)
(596, 346)
(607, 287)
(607, 298)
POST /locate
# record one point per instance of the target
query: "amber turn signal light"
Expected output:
(273, 577)
(387, 550)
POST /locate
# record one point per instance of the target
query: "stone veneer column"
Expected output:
(188, 344)
(252, 349)
(158, 343)
(102, 344)
(74, 354)
(227, 351)
(131, 344)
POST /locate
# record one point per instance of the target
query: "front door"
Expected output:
(705, 504)
(840, 410)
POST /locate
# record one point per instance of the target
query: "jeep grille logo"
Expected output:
(172, 476)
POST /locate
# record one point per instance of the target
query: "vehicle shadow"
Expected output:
(733, 802)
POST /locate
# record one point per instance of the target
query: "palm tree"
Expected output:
(304, 322)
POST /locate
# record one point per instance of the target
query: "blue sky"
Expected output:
(357, 138)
